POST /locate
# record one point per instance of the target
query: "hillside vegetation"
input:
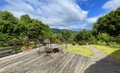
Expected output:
(106, 31)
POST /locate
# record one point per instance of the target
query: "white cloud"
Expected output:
(92, 19)
(85, 24)
(111, 4)
(73, 26)
(52, 12)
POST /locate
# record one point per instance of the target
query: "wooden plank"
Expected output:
(40, 63)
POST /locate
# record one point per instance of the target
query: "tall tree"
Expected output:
(83, 37)
(109, 23)
(66, 34)
(8, 24)
(24, 23)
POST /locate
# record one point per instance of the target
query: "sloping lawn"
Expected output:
(80, 50)
(110, 51)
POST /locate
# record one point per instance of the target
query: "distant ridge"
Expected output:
(55, 30)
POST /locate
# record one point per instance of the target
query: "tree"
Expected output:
(109, 23)
(84, 37)
(56, 38)
(35, 29)
(66, 34)
(11, 27)
(8, 24)
(104, 37)
(24, 24)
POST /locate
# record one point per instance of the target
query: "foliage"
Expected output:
(109, 23)
(66, 35)
(11, 27)
(105, 31)
(7, 26)
(56, 38)
(57, 41)
(32, 44)
(118, 39)
(104, 37)
(4, 37)
(84, 37)
(100, 43)
(26, 43)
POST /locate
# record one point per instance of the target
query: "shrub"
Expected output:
(82, 42)
(118, 39)
(26, 44)
(23, 48)
(4, 37)
(101, 43)
(104, 37)
(32, 44)
(57, 41)
(74, 43)
(114, 44)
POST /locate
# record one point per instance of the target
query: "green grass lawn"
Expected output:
(110, 51)
(80, 50)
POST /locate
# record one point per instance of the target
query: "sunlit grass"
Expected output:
(80, 50)
(106, 49)
(110, 51)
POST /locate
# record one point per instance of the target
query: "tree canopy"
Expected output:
(12, 27)
(106, 29)
(109, 23)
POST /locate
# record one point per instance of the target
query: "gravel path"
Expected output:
(101, 63)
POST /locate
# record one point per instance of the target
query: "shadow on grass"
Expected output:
(106, 65)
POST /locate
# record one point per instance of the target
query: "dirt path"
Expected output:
(98, 55)
(101, 63)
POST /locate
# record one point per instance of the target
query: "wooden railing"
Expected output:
(6, 51)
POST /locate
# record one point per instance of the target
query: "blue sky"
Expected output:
(62, 14)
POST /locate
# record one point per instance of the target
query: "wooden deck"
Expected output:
(32, 62)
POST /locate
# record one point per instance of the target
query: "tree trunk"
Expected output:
(35, 43)
(66, 45)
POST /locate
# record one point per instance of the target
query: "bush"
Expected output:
(4, 44)
(74, 43)
(4, 37)
(101, 43)
(118, 39)
(82, 42)
(114, 44)
(57, 41)
(26, 44)
(13, 41)
(104, 37)
(23, 48)
(32, 44)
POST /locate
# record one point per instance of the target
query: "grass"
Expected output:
(110, 51)
(80, 50)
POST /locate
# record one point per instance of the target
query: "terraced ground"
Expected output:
(34, 62)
